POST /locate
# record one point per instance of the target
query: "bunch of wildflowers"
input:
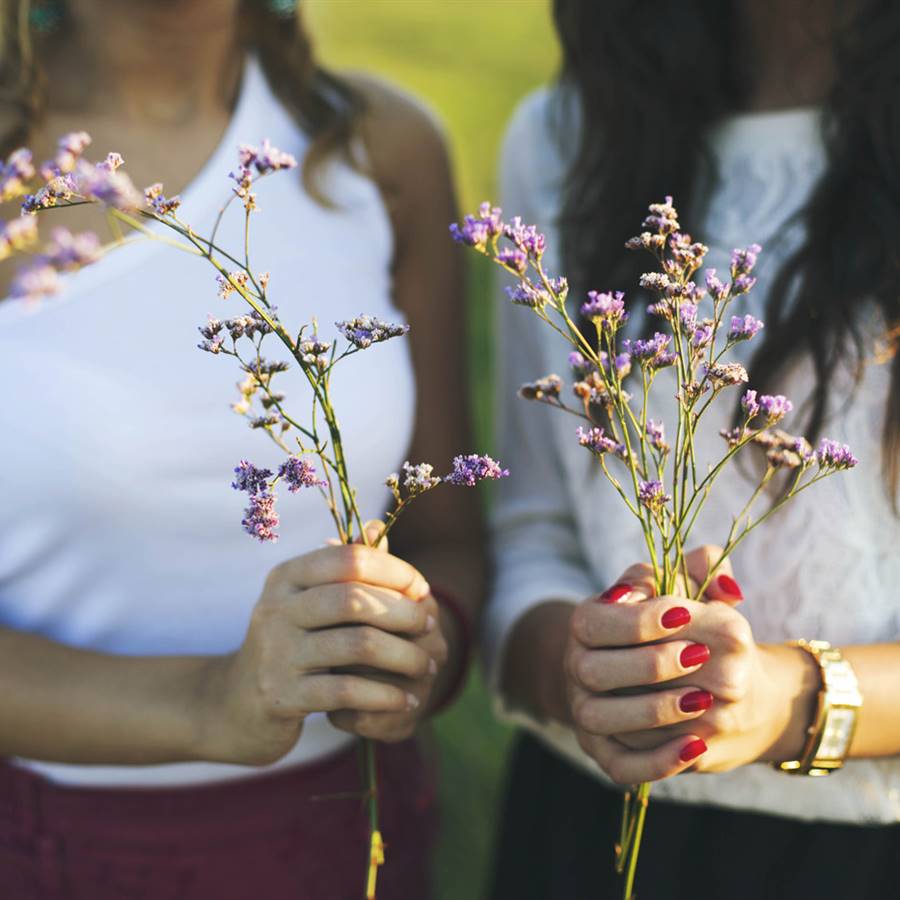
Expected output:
(69, 179)
(662, 484)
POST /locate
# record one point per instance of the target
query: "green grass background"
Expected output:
(470, 61)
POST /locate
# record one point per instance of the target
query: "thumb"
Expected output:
(722, 585)
(374, 531)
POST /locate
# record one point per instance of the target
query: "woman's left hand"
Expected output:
(751, 692)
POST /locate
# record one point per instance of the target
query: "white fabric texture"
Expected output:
(827, 567)
(119, 530)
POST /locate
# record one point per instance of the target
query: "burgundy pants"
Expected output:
(292, 835)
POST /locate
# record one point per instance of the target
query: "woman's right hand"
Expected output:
(337, 607)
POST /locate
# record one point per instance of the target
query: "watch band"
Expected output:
(834, 723)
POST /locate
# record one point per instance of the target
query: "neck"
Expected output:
(158, 61)
(789, 44)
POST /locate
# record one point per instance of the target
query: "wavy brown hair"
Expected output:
(650, 78)
(325, 106)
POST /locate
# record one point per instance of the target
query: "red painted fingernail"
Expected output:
(695, 701)
(692, 750)
(616, 593)
(675, 617)
(729, 586)
(694, 655)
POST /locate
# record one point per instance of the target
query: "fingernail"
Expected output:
(727, 585)
(676, 617)
(412, 701)
(695, 701)
(694, 655)
(615, 593)
(430, 622)
(432, 667)
(426, 590)
(692, 750)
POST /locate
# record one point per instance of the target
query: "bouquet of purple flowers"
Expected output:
(71, 180)
(662, 484)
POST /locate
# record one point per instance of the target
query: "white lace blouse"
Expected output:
(828, 566)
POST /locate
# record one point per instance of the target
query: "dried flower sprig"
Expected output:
(664, 486)
(70, 180)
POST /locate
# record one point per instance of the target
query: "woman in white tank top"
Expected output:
(145, 642)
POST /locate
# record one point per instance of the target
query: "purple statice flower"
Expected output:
(212, 338)
(743, 328)
(314, 352)
(655, 243)
(622, 364)
(832, 455)
(478, 231)
(269, 421)
(702, 335)
(743, 284)
(35, 281)
(69, 150)
(514, 260)
(212, 345)
(749, 404)
(105, 183)
(526, 238)
(260, 518)
(655, 281)
(67, 251)
(717, 288)
(726, 374)
(605, 309)
(663, 218)
(547, 388)
(656, 436)
(265, 158)
(299, 473)
(743, 261)
(733, 436)
(652, 495)
(158, 202)
(528, 294)
(559, 286)
(802, 448)
(15, 173)
(18, 234)
(57, 190)
(687, 254)
(687, 313)
(579, 365)
(363, 331)
(243, 179)
(596, 440)
(774, 407)
(230, 284)
(652, 352)
(419, 478)
(263, 368)
(468, 470)
(250, 478)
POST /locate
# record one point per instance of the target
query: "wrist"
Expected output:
(205, 692)
(794, 685)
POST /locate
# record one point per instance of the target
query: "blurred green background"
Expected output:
(470, 61)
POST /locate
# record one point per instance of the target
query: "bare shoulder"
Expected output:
(404, 140)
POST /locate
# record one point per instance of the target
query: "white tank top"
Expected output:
(119, 530)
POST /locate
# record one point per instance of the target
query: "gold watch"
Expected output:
(834, 723)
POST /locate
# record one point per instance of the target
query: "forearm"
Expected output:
(74, 706)
(533, 678)
(877, 668)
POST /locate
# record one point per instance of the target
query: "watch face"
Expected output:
(838, 732)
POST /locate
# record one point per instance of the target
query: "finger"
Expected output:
(625, 624)
(610, 670)
(387, 727)
(634, 584)
(359, 604)
(618, 715)
(351, 562)
(375, 535)
(327, 693)
(625, 766)
(363, 645)
(722, 586)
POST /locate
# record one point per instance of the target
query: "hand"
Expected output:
(323, 618)
(721, 690)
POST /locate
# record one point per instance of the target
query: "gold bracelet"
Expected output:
(831, 731)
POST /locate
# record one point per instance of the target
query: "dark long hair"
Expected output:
(650, 79)
(325, 106)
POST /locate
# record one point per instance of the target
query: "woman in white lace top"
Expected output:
(778, 131)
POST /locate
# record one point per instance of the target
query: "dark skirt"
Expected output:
(296, 834)
(559, 827)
